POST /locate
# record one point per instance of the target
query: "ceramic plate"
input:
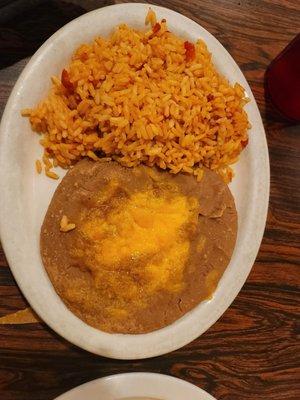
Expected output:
(137, 386)
(25, 195)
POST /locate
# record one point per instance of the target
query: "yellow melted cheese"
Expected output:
(139, 247)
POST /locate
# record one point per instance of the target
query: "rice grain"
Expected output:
(143, 97)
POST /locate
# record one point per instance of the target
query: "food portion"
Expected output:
(130, 250)
(143, 97)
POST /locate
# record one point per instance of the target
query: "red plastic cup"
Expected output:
(282, 80)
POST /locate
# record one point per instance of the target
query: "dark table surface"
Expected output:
(252, 352)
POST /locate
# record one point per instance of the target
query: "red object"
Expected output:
(65, 80)
(244, 143)
(282, 81)
(156, 27)
(190, 51)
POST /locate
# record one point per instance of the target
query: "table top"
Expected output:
(252, 351)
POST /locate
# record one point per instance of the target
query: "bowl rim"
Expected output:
(163, 340)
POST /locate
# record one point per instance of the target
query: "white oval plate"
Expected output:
(25, 195)
(137, 386)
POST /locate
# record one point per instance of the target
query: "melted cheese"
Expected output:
(139, 246)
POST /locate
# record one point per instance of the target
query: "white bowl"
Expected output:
(136, 386)
(25, 195)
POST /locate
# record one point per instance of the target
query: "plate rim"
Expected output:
(164, 379)
(123, 353)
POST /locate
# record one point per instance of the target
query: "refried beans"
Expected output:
(145, 246)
